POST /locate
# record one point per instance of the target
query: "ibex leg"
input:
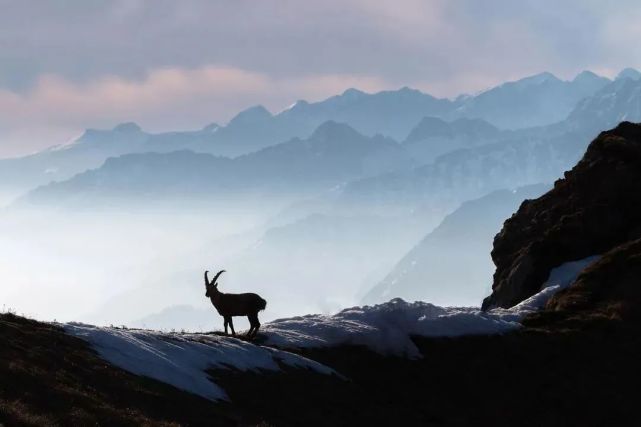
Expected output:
(251, 326)
(231, 325)
(255, 324)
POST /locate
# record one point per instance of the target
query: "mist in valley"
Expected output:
(314, 208)
(144, 268)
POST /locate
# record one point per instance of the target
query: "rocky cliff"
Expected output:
(595, 208)
(607, 290)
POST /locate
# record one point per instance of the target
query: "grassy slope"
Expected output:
(49, 378)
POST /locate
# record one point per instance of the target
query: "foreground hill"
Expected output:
(52, 374)
(399, 363)
(51, 378)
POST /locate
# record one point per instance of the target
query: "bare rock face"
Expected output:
(593, 209)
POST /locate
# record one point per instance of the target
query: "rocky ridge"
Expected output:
(595, 208)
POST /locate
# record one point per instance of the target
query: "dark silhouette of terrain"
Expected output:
(594, 208)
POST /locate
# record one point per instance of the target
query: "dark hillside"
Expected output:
(48, 378)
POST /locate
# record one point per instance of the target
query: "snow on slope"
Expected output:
(386, 328)
(182, 359)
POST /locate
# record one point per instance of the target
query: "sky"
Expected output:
(75, 64)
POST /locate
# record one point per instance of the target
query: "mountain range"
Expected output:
(539, 100)
(333, 154)
(518, 158)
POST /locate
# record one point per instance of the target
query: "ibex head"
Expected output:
(212, 287)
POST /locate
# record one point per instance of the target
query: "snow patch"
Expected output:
(566, 274)
(182, 359)
(387, 328)
(291, 106)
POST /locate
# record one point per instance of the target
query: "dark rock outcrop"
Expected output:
(593, 209)
(608, 289)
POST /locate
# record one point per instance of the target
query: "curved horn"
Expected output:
(213, 281)
(206, 279)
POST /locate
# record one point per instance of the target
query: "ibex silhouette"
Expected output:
(230, 305)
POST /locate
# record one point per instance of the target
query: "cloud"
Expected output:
(211, 58)
(401, 41)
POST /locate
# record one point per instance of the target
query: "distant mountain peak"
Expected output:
(628, 73)
(538, 79)
(212, 127)
(252, 114)
(407, 89)
(353, 93)
(256, 109)
(298, 105)
(127, 127)
(430, 127)
(587, 76)
(334, 130)
(474, 123)
(433, 127)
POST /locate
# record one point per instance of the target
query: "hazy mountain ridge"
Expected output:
(483, 159)
(451, 264)
(530, 100)
(328, 255)
(333, 154)
(433, 137)
(521, 158)
(391, 113)
(467, 174)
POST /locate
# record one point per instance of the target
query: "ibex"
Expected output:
(229, 305)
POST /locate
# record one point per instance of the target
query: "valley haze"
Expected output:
(318, 202)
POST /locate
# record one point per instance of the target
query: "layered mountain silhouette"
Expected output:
(333, 154)
(433, 137)
(519, 158)
(531, 100)
(451, 265)
(538, 100)
(374, 173)
(324, 255)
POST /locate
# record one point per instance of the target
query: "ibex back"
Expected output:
(230, 305)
